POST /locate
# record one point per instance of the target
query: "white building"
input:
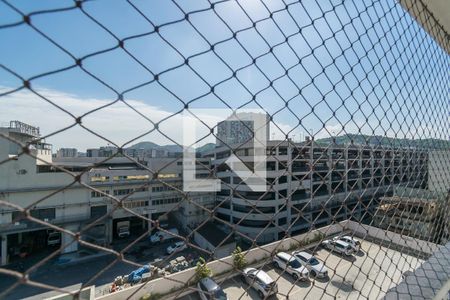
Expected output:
(67, 152)
(86, 194)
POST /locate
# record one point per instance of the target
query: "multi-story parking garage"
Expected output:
(309, 183)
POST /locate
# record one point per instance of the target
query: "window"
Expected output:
(282, 151)
(130, 177)
(43, 213)
(271, 166)
(98, 211)
(163, 188)
(141, 189)
(135, 204)
(166, 201)
(99, 178)
(122, 192)
(95, 194)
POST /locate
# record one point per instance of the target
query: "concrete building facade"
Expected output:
(312, 185)
(86, 195)
(308, 184)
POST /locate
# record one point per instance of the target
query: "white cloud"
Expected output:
(120, 124)
(117, 122)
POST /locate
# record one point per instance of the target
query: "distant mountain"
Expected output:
(375, 140)
(206, 148)
(145, 145)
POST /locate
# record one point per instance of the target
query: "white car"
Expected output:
(208, 289)
(338, 246)
(356, 245)
(315, 267)
(178, 246)
(260, 281)
(291, 265)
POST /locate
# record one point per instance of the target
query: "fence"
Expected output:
(257, 122)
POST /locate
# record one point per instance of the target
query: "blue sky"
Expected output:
(399, 74)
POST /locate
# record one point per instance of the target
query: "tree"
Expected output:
(202, 270)
(239, 260)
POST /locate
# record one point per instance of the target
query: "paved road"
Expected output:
(66, 276)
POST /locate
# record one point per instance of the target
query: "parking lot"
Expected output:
(81, 272)
(367, 274)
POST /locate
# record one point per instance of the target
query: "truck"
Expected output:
(162, 236)
(53, 238)
(123, 229)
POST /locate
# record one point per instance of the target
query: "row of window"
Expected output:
(130, 177)
(122, 192)
(166, 201)
(95, 194)
(165, 188)
(101, 178)
(135, 204)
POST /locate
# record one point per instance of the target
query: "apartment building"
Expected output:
(84, 199)
(66, 152)
(239, 129)
(312, 185)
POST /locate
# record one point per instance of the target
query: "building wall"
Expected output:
(315, 180)
(219, 252)
(25, 184)
(439, 171)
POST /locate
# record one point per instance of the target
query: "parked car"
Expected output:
(291, 265)
(208, 289)
(356, 245)
(162, 236)
(264, 285)
(176, 247)
(315, 267)
(338, 246)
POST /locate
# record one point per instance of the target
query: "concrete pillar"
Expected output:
(67, 241)
(4, 250)
(109, 231)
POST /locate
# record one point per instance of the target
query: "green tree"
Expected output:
(239, 260)
(202, 270)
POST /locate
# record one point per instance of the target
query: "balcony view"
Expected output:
(224, 149)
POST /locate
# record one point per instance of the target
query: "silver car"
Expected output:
(338, 246)
(291, 265)
(315, 267)
(356, 245)
(260, 281)
(208, 289)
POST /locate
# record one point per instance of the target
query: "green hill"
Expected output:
(360, 139)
